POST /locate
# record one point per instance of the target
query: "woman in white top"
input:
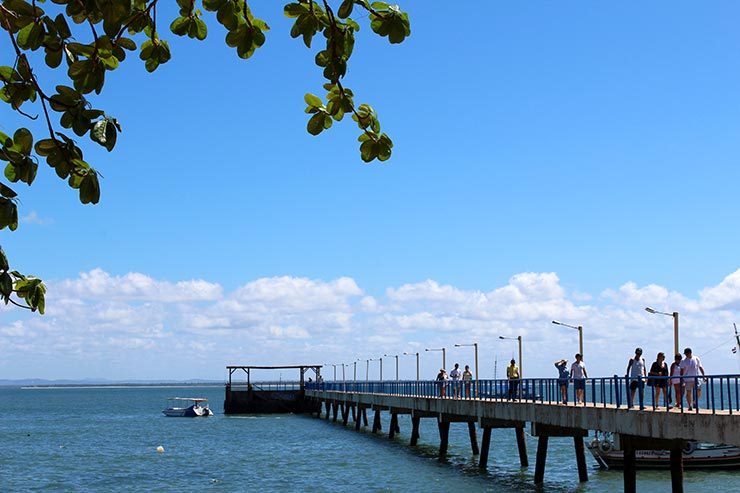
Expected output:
(637, 373)
(675, 381)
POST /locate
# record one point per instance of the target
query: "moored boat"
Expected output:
(696, 455)
(187, 407)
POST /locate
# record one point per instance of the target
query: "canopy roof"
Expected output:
(252, 367)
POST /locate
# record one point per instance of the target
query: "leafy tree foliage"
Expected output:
(112, 29)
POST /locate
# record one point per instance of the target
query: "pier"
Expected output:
(482, 406)
(267, 397)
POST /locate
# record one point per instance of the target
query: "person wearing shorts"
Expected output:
(636, 374)
(579, 376)
(563, 376)
(690, 367)
(676, 382)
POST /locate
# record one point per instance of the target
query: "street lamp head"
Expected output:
(501, 337)
(650, 310)
(556, 322)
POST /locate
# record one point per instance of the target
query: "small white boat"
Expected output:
(187, 407)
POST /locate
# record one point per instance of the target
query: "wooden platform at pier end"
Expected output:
(250, 396)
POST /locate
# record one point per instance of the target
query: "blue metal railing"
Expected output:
(717, 393)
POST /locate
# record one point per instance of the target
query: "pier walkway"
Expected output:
(484, 404)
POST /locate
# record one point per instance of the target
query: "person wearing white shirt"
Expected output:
(636, 373)
(456, 375)
(579, 376)
(690, 367)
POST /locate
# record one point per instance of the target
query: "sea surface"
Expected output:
(105, 439)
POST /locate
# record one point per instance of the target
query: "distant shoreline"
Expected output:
(115, 386)
(105, 385)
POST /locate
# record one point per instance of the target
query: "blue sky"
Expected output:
(597, 142)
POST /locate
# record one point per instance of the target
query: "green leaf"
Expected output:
(313, 100)
(90, 188)
(7, 192)
(3, 261)
(180, 26)
(23, 140)
(316, 124)
(6, 282)
(345, 10)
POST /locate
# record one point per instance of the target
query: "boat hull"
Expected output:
(718, 457)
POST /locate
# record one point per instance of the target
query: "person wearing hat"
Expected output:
(636, 373)
(442, 381)
(690, 367)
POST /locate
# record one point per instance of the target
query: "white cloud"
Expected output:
(98, 284)
(133, 322)
(34, 218)
(725, 295)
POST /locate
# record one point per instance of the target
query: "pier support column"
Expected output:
(415, 420)
(444, 435)
(328, 410)
(676, 469)
(539, 465)
(473, 438)
(522, 446)
(334, 409)
(345, 413)
(630, 472)
(358, 421)
(393, 428)
(364, 416)
(376, 421)
(354, 415)
(485, 444)
(580, 459)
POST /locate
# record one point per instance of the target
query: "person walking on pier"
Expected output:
(467, 377)
(563, 377)
(579, 375)
(636, 374)
(456, 375)
(512, 373)
(690, 367)
(676, 382)
(442, 381)
(660, 384)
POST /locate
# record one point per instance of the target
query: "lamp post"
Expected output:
(394, 356)
(580, 334)
(521, 365)
(675, 325)
(444, 358)
(381, 368)
(475, 345)
(417, 363)
(354, 375)
(367, 369)
(335, 372)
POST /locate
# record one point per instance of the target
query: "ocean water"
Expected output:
(105, 440)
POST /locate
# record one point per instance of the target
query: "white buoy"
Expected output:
(160, 449)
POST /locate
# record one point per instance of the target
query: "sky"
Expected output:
(571, 161)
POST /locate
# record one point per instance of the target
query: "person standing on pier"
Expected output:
(690, 367)
(512, 373)
(456, 375)
(659, 369)
(675, 372)
(442, 381)
(563, 377)
(467, 377)
(579, 375)
(636, 373)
